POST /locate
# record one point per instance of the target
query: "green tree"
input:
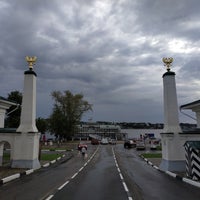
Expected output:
(67, 113)
(13, 113)
(41, 124)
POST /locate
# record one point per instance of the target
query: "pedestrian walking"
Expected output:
(83, 151)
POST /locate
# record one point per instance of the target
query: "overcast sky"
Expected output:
(109, 50)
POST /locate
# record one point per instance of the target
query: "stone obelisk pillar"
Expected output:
(172, 155)
(28, 114)
(171, 123)
(27, 143)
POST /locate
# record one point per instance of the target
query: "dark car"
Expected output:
(129, 144)
(94, 141)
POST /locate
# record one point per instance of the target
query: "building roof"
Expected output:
(192, 105)
(5, 99)
(5, 103)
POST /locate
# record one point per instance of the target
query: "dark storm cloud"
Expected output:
(167, 17)
(110, 50)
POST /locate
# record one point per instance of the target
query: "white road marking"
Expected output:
(74, 175)
(118, 169)
(121, 177)
(63, 185)
(125, 187)
(81, 169)
(51, 196)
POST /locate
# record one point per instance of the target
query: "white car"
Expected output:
(154, 144)
(104, 141)
(140, 145)
(112, 141)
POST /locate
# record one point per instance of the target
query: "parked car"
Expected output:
(154, 144)
(94, 141)
(104, 141)
(81, 145)
(140, 145)
(129, 144)
(112, 141)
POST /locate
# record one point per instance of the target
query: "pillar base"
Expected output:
(173, 165)
(29, 164)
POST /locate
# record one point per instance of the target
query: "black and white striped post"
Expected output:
(192, 153)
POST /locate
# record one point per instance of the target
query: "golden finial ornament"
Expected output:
(31, 61)
(168, 63)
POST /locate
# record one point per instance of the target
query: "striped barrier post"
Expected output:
(192, 154)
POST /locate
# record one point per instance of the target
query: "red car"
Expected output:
(81, 145)
(94, 141)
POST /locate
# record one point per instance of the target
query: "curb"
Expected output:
(30, 171)
(178, 177)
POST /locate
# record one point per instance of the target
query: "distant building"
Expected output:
(86, 130)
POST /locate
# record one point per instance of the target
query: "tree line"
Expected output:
(68, 109)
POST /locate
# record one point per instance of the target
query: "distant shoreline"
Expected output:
(135, 133)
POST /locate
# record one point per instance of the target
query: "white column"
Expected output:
(171, 119)
(173, 158)
(28, 114)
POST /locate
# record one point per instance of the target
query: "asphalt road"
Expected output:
(147, 183)
(45, 181)
(101, 178)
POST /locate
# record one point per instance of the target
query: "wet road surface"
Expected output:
(147, 183)
(99, 179)
(45, 181)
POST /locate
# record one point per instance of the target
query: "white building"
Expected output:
(84, 131)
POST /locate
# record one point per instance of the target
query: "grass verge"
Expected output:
(44, 157)
(152, 155)
(49, 157)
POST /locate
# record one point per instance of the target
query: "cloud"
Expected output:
(110, 50)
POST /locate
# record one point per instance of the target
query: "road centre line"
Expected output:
(125, 187)
(81, 169)
(85, 164)
(121, 177)
(63, 185)
(118, 170)
(74, 175)
(50, 197)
